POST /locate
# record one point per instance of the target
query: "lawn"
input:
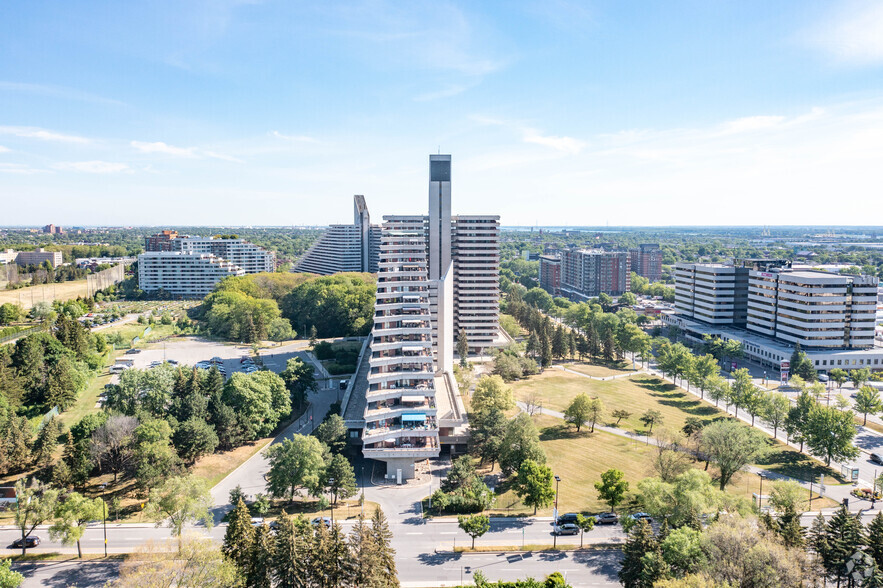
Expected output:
(635, 394)
(580, 458)
(596, 370)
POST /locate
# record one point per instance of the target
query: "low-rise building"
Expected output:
(38, 256)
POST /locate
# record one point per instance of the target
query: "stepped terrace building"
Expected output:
(345, 248)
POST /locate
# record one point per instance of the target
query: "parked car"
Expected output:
(567, 518)
(29, 541)
(257, 521)
(322, 520)
(607, 518)
(875, 457)
(567, 529)
(132, 351)
(216, 360)
(172, 361)
(642, 516)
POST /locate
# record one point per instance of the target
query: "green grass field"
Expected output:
(600, 371)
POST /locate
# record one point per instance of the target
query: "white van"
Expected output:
(118, 368)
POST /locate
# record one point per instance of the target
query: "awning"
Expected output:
(413, 398)
(413, 418)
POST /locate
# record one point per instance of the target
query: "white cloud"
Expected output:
(854, 35)
(56, 91)
(93, 167)
(447, 92)
(295, 138)
(563, 144)
(186, 152)
(42, 135)
(19, 168)
(752, 123)
(4, 149)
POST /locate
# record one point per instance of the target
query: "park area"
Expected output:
(580, 458)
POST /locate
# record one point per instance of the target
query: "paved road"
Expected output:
(62, 574)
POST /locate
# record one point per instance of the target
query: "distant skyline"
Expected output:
(243, 112)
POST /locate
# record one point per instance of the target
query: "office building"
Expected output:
(550, 274)
(588, 273)
(248, 256)
(183, 274)
(646, 261)
(161, 241)
(400, 416)
(345, 248)
(712, 292)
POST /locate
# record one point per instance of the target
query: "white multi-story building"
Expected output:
(476, 253)
(817, 309)
(345, 248)
(711, 292)
(401, 426)
(184, 274)
(248, 256)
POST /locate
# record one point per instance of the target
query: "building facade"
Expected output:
(475, 242)
(588, 273)
(345, 248)
(248, 256)
(53, 230)
(401, 427)
(38, 256)
(713, 293)
(550, 274)
(646, 261)
(161, 241)
(183, 274)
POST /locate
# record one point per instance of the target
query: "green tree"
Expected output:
(239, 537)
(260, 568)
(491, 392)
(295, 463)
(260, 400)
(651, 417)
(875, 540)
(585, 524)
(195, 438)
(612, 487)
(639, 567)
(463, 348)
(291, 555)
(534, 485)
(383, 572)
(845, 536)
(332, 432)
(620, 414)
(300, 379)
(338, 306)
(579, 411)
(475, 525)
(702, 369)
(798, 418)
(731, 446)
(488, 428)
(72, 514)
(682, 551)
(198, 563)
(46, 442)
(180, 500)
(859, 377)
(34, 505)
(829, 433)
(9, 313)
(521, 442)
(867, 401)
(840, 376)
(8, 577)
(774, 410)
(340, 479)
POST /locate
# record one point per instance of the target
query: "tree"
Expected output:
(839, 375)
(260, 564)
(383, 572)
(867, 400)
(463, 348)
(153, 456)
(521, 442)
(534, 485)
(491, 392)
(859, 377)
(731, 446)
(844, 536)
(300, 378)
(239, 536)
(295, 463)
(744, 393)
(8, 577)
(474, 525)
(612, 487)
(9, 313)
(194, 438)
(620, 414)
(875, 540)
(111, 444)
(198, 563)
(829, 433)
(340, 479)
(72, 514)
(181, 500)
(682, 500)
(682, 551)
(46, 442)
(639, 566)
(798, 417)
(488, 429)
(585, 524)
(703, 368)
(332, 432)
(579, 411)
(651, 417)
(35, 504)
(775, 410)
(669, 460)
(260, 400)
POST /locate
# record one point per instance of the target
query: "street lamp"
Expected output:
(331, 485)
(555, 522)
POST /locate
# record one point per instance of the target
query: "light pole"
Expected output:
(104, 510)
(760, 496)
(331, 485)
(363, 490)
(555, 513)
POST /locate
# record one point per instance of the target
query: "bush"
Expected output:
(335, 368)
(323, 350)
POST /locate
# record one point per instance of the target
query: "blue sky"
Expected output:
(556, 111)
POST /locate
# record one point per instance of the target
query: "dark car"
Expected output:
(876, 458)
(569, 517)
(133, 351)
(567, 529)
(607, 518)
(29, 541)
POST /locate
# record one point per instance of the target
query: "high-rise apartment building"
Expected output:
(646, 261)
(550, 274)
(588, 273)
(345, 248)
(183, 274)
(476, 253)
(400, 416)
(248, 256)
(161, 241)
(53, 230)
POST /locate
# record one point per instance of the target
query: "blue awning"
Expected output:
(413, 418)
